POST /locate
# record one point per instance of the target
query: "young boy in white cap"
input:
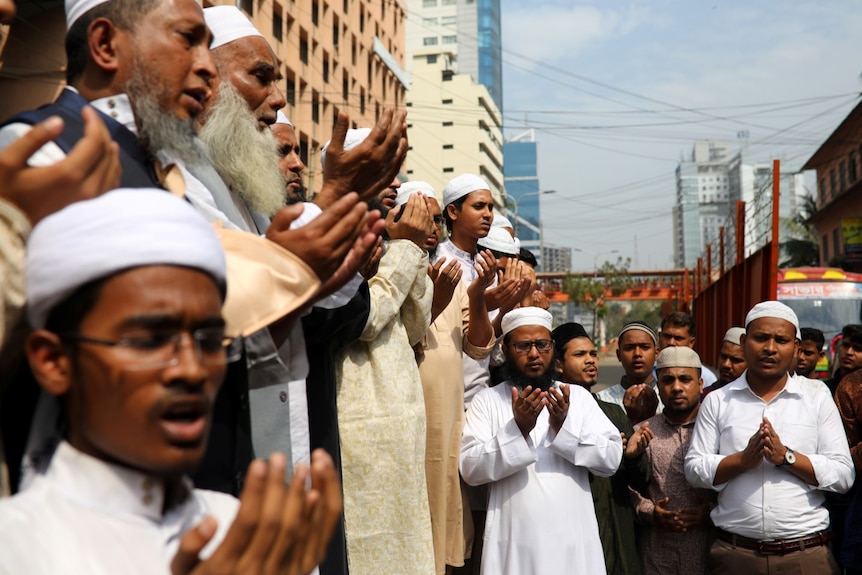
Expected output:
(770, 444)
(534, 441)
(124, 293)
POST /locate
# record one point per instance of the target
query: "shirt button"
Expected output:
(111, 103)
(283, 396)
(148, 499)
(114, 114)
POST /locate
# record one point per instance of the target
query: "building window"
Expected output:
(290, 91)
(431, 59)
(303, 49)
(345, 6)
(833, 183)
(449, 2)
(852, 167)
(344, 87)
(448, 20)
(247, 6)
(429, 3)
(335, 27)
(448, 146)
(450, 39)
(277, 23)
(429, 21)
(429, 41)
(448, 170)
(315, 12)
(447, 101)
(842, 170)
(315, 108)
(446, 124)
(447, 75)
(362, 101)
(836, 245)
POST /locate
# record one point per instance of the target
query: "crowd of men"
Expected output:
(207, 370)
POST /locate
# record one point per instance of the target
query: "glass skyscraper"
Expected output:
(522, 185)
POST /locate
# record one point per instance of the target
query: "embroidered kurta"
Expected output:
(666, 552)
(87, 517)
(381, 422)
(540, 512)
(443, 383)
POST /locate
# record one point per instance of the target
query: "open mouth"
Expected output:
(185, 421)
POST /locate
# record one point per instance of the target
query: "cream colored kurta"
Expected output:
(442, 374)
(381, 422)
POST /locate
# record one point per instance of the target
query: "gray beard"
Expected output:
(159, 131)
(244, 156)
(521, 381)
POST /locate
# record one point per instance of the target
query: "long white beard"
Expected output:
(245, 156)
(159, 131)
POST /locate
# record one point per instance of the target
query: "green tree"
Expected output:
(801, 247)
(590, 291)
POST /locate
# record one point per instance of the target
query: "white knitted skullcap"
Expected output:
(522, 316)
(228, 23)
(460, 186)
(499, 240)
(407, 189)
(281, 118)
(733, 335)
(353, 138)
(773, 309)
(677, 356)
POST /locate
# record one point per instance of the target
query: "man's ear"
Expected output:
(102, 44)
(50, 362)
(558, 366)
(452, 211)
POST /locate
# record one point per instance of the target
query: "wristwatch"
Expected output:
(789, 457)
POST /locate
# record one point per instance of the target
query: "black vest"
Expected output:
(138, 171)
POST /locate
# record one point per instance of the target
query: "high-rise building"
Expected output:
(708, 187)
(335, 56)
(520, 168)
(454, 116)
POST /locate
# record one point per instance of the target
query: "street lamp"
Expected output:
(527, 195)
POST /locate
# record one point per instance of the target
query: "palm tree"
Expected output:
(801, 248)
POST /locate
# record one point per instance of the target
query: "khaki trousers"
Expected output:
(725, 559)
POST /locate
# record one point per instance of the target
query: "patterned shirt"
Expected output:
(665, 552)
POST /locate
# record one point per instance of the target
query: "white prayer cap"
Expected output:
(522, 316)
(77, 8)
(518, 245)
(228, 23)
(353, 138)
(499, 240)
(639, 326)
(460, 186)
(774, 309)
(501, 221)
(677, 356)
(122, 229)
(407, 189)
(280, 118)
(733, 335)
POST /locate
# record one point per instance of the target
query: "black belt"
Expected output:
(778, 546)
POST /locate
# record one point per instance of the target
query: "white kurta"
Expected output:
(541, 517)
(87, 517)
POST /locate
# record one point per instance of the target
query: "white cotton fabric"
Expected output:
(353, 138)
(407, 189)
(525, 316)
(678, 356)
(460, 186)
(499, 240)
(773, 309)
(122, 229)
(501, 221)
(281, 118)
(734, 335)
(228, 23)
(77, 8)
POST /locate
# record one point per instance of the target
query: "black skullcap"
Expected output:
(565, 333)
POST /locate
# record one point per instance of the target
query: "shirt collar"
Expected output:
(792, 385)
(118, 107)
(455, 250)
(110, 488)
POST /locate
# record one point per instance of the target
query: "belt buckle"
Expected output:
(768, 548)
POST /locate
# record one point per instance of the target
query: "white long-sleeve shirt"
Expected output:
(769, 502)
(87, 517)
(541, 517)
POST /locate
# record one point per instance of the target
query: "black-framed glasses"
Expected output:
(438, 220)
(542, 345)
(160, 349)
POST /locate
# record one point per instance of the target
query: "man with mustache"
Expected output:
(290, 162)
(128, 331)
(770, 444)
(731, 360)
(676, 533)
(534, 441)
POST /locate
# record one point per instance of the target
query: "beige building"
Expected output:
(454, 126)
(343, 55)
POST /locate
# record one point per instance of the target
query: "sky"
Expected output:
(618, 91)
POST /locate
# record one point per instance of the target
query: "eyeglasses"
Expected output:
(438, 220)
(542, 345)
(160, 349)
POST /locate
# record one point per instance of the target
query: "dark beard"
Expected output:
(297, 198)
(521, 381)
(377, 204)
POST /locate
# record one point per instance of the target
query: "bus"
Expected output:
(823, 298)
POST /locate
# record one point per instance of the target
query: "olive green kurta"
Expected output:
(614, 511)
